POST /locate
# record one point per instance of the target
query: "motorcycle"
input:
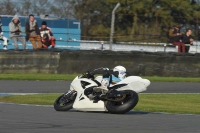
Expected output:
(119, 99)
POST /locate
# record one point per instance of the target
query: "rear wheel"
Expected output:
(129, 101)
(64, 103)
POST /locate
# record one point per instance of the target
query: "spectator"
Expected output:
(175, 38)
(2, 37)
(15, 32)
(33, 32)
(47, 36)
(187, 38)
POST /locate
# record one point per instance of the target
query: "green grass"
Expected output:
(172, 79)
(70, 77)
(169, 103)
(39, 99)
(33, 76)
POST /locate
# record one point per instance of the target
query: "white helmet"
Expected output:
(121, 70)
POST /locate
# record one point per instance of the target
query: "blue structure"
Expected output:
(66, 32)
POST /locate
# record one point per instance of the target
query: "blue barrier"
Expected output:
(64, 30)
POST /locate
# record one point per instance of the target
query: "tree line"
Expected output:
(136, 20)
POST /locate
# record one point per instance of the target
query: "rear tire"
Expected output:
(63, 104)
(128, 103)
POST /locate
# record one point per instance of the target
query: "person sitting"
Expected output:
(2, 37)
(15, 32)
(187, 38)
(175, 38)
(33, 33)
(47, 36)
(109, 77)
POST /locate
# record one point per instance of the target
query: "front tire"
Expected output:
(125, 105)
(63, 104)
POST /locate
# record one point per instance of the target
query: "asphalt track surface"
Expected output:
(63, 86)
(16, 118)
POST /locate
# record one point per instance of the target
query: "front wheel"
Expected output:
(129, 101)
(64, 103)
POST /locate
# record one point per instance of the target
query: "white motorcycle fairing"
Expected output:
(134, 83)
(83, 103)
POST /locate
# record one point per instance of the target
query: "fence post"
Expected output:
(197, 27)
(102, 45)
(112, 25)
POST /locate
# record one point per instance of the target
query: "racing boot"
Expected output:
(102, 89)
(99, 97)
(96, 99)
(91, 97)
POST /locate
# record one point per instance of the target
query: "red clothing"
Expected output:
(181, 46)
(46, 30)
(47, 37)
(49, 42)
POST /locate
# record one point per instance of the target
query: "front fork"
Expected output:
(70, 95)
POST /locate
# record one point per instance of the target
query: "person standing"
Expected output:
(2, 37)
(175, 38)
(33, 32)
(15, 32)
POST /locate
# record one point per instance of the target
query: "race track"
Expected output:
(16, 118)
(63, 86)
(37, 119)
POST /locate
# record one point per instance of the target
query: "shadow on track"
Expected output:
(104, 112)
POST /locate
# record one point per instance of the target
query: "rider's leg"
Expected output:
(89, 93)
(104, 86)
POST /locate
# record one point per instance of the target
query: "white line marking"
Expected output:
(170, 93)
(26, 104)
(61, 93)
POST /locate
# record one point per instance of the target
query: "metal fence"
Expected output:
(65, 31)
(152, 36)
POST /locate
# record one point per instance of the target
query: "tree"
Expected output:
(7, 7)
(41, 7)
(62, 8)
(26, 6)
(155, 15)
(95, 17)
(136, 20)
(133, 18)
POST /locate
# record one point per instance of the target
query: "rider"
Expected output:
(109, 77)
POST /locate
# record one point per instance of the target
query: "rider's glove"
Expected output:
(89, 75)
(106, 69)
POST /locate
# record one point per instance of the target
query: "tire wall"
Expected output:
(29, 62)
(71, 62)
(137, 63)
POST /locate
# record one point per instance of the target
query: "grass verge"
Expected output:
(70, 77)
(39, 99)
(169, 103)
(33, 76)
